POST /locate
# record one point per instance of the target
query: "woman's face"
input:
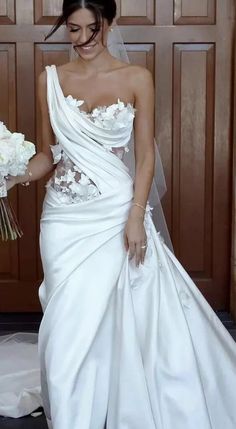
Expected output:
(81, 25)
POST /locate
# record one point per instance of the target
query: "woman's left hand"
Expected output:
(135, 238)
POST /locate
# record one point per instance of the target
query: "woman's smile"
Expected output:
(86, 49)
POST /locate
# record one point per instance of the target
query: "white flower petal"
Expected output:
(73, 101)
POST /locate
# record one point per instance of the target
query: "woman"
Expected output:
(126, 340)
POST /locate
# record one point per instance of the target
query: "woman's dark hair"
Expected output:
(101, 9)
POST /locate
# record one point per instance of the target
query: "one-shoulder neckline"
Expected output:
(126, 104)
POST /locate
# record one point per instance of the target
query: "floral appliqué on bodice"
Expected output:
(72, 184)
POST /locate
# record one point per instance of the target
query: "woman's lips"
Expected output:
(87, 48)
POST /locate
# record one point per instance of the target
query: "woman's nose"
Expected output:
(83, 37)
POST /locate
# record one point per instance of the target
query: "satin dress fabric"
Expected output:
(120, 346)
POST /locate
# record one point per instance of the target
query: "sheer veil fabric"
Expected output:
(119, 346)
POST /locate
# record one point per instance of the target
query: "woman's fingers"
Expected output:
(140, 253)
(126, 243)
(131, 249)
(143, 253)
(137, 250)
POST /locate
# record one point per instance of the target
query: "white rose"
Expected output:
(4, 132)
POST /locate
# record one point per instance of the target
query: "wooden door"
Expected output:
(187, 44)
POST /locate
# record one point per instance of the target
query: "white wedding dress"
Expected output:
(119, 346)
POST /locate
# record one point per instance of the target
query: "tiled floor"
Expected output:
(29, 422)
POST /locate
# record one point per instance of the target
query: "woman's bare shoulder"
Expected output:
(139, 78)
(139, 72)
(64, 69)
(67, 66)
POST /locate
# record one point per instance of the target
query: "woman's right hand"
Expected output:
(10, 182)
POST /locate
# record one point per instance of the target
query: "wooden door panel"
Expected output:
(136, 12)
(192, 12)
(143, 55)
(181, 42)
(7, 12)
(193, 145)
(46, 11)
(9, 260)
(8, 84)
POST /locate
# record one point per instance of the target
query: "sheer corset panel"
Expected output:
(72, 184)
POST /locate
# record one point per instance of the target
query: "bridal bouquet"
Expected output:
(15, 153)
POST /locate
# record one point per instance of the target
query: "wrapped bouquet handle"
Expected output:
(15, 153)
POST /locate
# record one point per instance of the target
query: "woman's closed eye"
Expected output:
(73, 30)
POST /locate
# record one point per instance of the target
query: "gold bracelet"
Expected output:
(139, 205)
(26, 183)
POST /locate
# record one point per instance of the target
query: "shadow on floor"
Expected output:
(27, 422)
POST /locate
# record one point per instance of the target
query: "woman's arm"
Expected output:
(143, 137)
(42, 162)
(135, 235)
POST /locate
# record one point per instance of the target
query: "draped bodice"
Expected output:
(89, 146)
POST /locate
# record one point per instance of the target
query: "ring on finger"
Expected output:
(144, 247)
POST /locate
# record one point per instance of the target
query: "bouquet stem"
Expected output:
(9, 226)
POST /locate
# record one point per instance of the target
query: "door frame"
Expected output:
(233, 253)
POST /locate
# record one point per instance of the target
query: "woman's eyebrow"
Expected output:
(76, 25)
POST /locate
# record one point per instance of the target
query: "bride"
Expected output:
(127, 341)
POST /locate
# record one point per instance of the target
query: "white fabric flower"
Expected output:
(70, 176)
(77, 169)
(120, 104)
(123, 118)
(58, 180)
(92, 191)
(79, 189)
(73, 101)
(96, 112)
(110, 111)
(84, 180)
(56, 152)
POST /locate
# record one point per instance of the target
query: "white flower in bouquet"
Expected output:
(4, 133)
(15, 153)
